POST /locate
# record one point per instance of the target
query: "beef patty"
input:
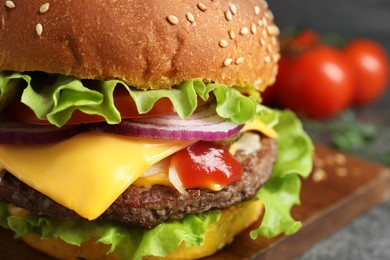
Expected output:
(148, 207)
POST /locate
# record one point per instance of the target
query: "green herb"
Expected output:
(345, 133)
(386, 158)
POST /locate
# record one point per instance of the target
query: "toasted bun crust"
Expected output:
(233, 220)
(148, 44)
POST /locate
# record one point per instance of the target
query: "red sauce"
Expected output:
(204, 165)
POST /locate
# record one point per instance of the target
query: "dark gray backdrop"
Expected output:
(369, 18)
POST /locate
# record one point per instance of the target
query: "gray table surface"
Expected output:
(368, 236)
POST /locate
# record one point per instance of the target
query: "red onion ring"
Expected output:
(20, 133)
(203, 125)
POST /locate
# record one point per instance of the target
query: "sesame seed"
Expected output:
(267, 59)
(223, 43)
(273, 30)
(260, 23)
(239, 60)
(273, 78)
(233, 8)
(265, 22)
(274, 41)
(173, 19)
(220, 246)
(228, 15)
(269, 15)
(257, 10)
(202, 7)
(270, 30)
(244, 31)
(228, 62)
(264, 32)
(270, 48)
(232, 35)
(39, 29)
(262, 42)
(10, 4)
(276, 57)
(253, 28)
(265, 4)
(258, 82)
(190, 17)
(44, 8)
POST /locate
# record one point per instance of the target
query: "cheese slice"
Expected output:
(259, 126)
(89, 171)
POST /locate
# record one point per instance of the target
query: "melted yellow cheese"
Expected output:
(88, 172)
(160, 178)
(257, 125)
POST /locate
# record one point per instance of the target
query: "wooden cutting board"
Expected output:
(340, 188)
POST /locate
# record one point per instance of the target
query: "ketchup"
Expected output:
(206, 165)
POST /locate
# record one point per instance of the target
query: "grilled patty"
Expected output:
(148, 207)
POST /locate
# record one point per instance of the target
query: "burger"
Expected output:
(135, 130)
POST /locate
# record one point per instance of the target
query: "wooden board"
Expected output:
(340, 188)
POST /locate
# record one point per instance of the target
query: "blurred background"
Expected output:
(352, 18)
(367, 237)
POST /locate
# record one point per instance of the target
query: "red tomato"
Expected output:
(300, 42)
(291, 47)
(123, 102)
(271, 94)
(319, 83)
(371, 65)
(203, 165)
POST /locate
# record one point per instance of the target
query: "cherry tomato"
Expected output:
(300, 42)
(319, 83)
(292, 47)
(271, 93)
(371, 65)
(203, 165)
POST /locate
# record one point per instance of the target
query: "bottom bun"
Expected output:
(233, 220)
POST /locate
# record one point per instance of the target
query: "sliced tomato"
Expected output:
(203, 165)
(123, 102)
(126, 105)
(22, 113)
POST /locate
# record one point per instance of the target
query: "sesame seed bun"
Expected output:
(149, 44)
(232, 221)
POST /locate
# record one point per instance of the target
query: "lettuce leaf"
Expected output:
(128, 243)
(281, 192)
(279, 195)
(56, 97)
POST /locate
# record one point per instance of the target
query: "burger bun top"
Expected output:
(148, 44)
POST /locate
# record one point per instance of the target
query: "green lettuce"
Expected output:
(279, 195)
(281, 192)
(56, 97)
(128, 243)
